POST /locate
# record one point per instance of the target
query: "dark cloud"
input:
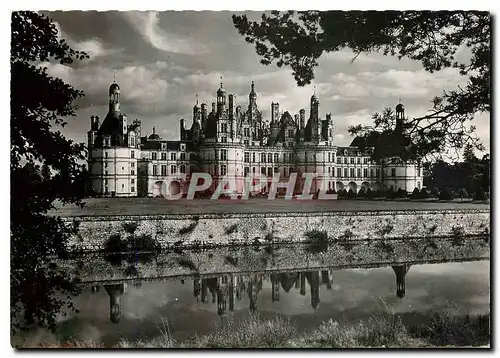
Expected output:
(162, 60)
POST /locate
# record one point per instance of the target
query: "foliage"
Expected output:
(434, 38)
(415, 194)
(446, 194)
(424, 194)
(471, 174)
(351, 193)
(44, 168)
(479, 194)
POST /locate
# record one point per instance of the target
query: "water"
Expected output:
(307, 298)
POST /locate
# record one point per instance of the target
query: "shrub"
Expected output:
(415, 194)
(435, 192)
(370, 193)
(391, 194)
(424, 194)
(115, 244)
(342, 193)
(144, 242)
(401, 193)
(446, 194)
(252, 332)
(479, 194)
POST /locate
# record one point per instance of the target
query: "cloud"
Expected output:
(147, 24)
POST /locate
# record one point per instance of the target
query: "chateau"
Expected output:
(233, 141)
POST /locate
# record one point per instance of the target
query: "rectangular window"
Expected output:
(223, 169)
(155, 171)
(173, 169)
(263, 170)
(132, 172)
(223, 139)
(358, 173)
(247, 157)
(132, 181)
(365, 160)
(223, 154)
(371, 173)
(359, 160)
(418, 172)
(253, 170)
(183, 156)
(365, 173)
(183, 169)
(163, 156)
(132, 154)
(393, 172)
(154, 155)
(246, 170)
(276, 157)
(345, 160)
(105, 154)
(173, 156)
(262, 157)
(132, 165)
(253, 157)
(339, 172)
(163, 170)
(269, 172)
(352, 160)
(329, 157)
(352, 172)
(328, 170)
(339, 160)
(276, 169)
(270, 157)
(132, 189)
(345, 172)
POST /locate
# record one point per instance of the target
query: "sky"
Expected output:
(163, 60)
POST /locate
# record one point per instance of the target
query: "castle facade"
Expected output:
(236, 142)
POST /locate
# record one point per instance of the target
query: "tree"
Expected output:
(39, 104)
(298, 39)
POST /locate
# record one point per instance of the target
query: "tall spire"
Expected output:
(221, 81)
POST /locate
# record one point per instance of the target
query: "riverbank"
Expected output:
(383, 330)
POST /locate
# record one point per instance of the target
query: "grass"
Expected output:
(382, 329)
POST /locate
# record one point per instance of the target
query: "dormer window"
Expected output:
(183, 146)
(164, 146)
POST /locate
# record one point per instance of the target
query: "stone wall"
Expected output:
(209, 230)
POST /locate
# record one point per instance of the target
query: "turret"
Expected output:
(275, 109)
(400, 118)
(123, 123)
(252, 97)
(221, 98)
(196, 112)
(115, 293)
(114, 97)
(94, 123)
(401, 272)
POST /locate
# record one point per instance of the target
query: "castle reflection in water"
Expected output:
(224, 289)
